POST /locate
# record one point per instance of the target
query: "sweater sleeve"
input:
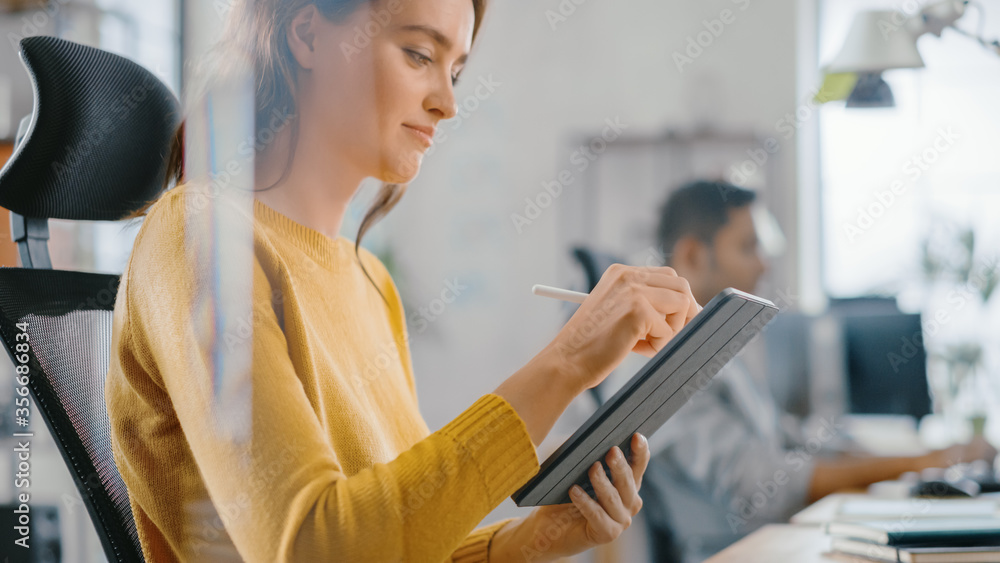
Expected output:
(476, 547)
(421, 506)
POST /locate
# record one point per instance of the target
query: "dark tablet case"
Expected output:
(683, 367)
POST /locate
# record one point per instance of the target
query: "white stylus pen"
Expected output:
(556, 293)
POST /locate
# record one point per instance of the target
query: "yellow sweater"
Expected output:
(340, 465)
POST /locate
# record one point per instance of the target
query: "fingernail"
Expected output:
(575, 490)
(645, 442)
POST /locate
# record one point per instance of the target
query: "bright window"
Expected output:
(927, 169)
(941, 141)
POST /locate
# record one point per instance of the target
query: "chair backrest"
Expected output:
(594, 263)
(95, 148)
(67, 317)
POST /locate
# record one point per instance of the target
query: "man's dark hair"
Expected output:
(698, 209)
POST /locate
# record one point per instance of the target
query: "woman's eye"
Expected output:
(417, 57)
(423, 59)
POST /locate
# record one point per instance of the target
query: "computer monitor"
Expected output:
(886, 364)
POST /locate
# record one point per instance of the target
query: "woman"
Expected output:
(339, 464)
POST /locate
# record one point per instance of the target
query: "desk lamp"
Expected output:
(881, 40)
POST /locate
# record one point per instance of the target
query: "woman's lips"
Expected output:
(423, 134)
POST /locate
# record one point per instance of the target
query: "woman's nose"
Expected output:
(442, 100)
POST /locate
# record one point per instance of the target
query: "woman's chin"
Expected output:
(403, 172)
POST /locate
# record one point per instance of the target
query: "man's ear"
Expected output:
(302, 36)
(690, 255)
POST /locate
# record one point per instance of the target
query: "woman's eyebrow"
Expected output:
(436, 35)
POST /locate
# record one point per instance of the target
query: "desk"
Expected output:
(825, 509)
(779, 543)
(802, 541)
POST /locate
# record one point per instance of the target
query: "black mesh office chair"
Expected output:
(662, 542)
(94, 149)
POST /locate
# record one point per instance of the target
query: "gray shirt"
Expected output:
(724, 465)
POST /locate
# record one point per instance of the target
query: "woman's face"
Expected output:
(375, 86)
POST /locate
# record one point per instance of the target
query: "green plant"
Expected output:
(951, 258)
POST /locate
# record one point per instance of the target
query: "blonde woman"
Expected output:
(339, 465)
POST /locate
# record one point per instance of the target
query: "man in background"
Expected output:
(723, 465)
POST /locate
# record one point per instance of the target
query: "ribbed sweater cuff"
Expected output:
(495, 439)
(476, 548)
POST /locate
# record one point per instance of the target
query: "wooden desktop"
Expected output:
(800, 541)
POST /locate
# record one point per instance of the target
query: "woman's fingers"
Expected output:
(664, 326)
(624, 481)
(639, 459)
(630, 308)
(597, 519)
(607, 493)
(672, 299)
(645, 348)
(657, 276)
(658, 332)
(618, 501)
(660, 329)
(687, 309)
(670, 304)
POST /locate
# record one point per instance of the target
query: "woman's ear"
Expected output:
(302, 36)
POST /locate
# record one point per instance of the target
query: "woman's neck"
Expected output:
(316, 190)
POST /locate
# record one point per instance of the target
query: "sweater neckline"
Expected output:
(320, 247)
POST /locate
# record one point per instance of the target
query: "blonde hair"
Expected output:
(258, 29)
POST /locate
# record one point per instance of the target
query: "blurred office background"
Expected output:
(661, 93)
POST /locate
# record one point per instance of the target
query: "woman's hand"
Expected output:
(560, 530)
(631, 309)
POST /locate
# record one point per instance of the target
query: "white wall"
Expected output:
(607, 60)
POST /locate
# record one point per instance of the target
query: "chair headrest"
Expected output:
(99, 138)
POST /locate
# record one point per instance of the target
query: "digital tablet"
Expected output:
(678, 371)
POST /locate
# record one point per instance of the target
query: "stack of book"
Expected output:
(918, 540)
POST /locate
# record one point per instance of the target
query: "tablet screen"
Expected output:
(682, 368)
